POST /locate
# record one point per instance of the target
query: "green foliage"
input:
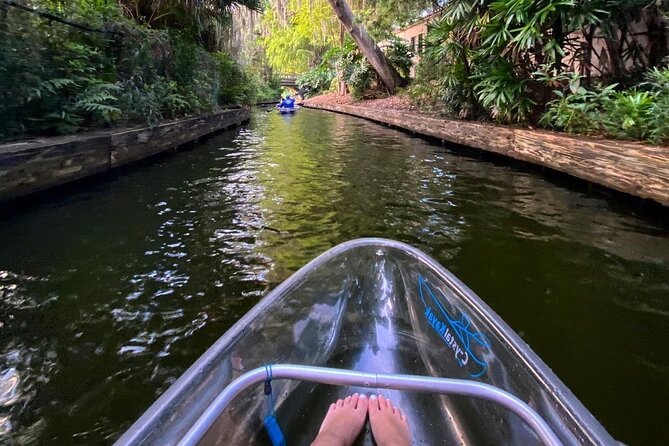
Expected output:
(578, 111)
(505, 60)
(636, 113)
(381, 17)
(347, 63)
(360, 75)
(630, 114)
(266, 89)
(57, 79)
(502, 93)
(296, 33)
(206, 20)
(335, 60)
(400, 55)
(241, 88)
(152, 101)
(317, 80)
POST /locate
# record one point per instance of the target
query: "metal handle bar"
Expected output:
(341, 377)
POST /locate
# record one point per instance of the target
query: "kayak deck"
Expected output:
(374, 306)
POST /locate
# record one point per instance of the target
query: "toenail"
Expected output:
(373, 397)
(363, 396)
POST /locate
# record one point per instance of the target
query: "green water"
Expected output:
(111, 289)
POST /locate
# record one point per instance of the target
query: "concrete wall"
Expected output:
(36, 165)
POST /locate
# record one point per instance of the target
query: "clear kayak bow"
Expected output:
(376, 314)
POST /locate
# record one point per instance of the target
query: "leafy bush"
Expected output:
(334, 62)
(400, 55)
(266, 89)
(579, 111)
(359, 77)
(317, 80)
(57, 79)
(636, 113)
(483, 59)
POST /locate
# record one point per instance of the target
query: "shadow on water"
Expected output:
(110, 289)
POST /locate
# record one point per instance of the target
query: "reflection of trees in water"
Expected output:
(394, 186)
(296, 167)
(566, 215)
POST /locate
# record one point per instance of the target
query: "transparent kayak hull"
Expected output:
(375, 306)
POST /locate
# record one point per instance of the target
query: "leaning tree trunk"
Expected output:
(389, 76)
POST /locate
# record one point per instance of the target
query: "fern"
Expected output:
(97, 100)
(51, 87)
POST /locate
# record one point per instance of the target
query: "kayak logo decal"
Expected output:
(457, 334)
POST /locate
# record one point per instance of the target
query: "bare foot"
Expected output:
(343, 422)
(389, 425)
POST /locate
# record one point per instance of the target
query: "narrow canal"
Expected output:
(109, 292)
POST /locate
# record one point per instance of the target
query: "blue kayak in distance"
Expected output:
(372, 316)
(286, 111)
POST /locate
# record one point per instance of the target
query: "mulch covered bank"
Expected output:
(390, 103)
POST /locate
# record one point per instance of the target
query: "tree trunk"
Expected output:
(389, 76)
(341, 84)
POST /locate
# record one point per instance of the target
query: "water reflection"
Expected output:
(109, 293)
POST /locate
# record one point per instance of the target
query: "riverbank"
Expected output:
(631, 168)
(27, 167)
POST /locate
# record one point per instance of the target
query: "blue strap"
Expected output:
(274, 431)
(271, 426)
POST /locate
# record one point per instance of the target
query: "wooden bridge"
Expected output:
(288, 80)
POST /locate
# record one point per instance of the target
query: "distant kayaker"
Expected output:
(287, 102)
(345, 419)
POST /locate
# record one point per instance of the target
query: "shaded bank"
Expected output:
(631, 168)
(32, 166)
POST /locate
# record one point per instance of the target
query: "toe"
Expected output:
(333, 406)
(374, 403)
(354, 400)
(363, 403)
(384, 404)
(340, 403)
(347, 401)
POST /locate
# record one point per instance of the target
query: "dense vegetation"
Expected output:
(297, 35)
(345, 63)
(306, 38)
(115, 63)
(585, 66)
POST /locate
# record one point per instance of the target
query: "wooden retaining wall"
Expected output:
(32, 166)
(627, 167)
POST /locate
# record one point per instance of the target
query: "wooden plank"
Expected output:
(628, 167)
(631, 168)
(472, 134)
(31, 166)
(131, 145)
(34, 170)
